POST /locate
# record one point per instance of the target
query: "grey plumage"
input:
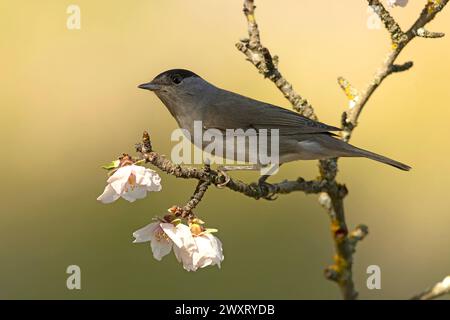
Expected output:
(188, 97)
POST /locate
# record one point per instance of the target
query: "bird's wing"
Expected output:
(228, 110)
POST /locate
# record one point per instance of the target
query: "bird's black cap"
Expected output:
(162, 79)
(181, 72)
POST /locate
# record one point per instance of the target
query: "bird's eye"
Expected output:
(176, 78)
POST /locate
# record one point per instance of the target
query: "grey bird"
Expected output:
(189, 98)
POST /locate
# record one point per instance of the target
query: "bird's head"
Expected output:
(177, 86)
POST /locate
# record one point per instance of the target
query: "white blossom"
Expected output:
(193, 248)
(165, 236)
(394, 3)
(130, 182)
(209, 251)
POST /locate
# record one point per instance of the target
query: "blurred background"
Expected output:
(70, 104)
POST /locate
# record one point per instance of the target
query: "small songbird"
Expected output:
(189, 98)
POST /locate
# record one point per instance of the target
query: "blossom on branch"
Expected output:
(163, 236)
(130, 182)
(209, 251)
(208, 247)
(194, 246)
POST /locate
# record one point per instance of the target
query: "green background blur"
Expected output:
(69, 104)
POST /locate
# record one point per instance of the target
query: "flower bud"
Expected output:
(196, 229)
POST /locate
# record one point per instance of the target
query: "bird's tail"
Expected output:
(348, 150)
(380, 158)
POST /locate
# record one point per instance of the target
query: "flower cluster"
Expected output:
(193, 245)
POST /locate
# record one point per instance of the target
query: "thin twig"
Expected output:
(199, 192)
(266, 64)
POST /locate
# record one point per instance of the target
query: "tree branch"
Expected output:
(218, 179)
(260, 57)
(400, 40)
(332, 197)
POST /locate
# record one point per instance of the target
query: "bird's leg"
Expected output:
(263, 184)
(263, 179)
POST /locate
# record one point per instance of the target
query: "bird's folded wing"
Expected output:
(233, 111)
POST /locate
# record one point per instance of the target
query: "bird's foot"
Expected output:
(223, 171)
(226, 176)
(268, 188)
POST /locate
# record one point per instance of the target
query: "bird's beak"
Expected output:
(150, 86)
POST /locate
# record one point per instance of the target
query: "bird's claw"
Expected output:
(265, 186)
(271, 195)
(227, 179)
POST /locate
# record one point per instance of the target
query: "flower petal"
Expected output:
(140, 173)
(120, 178)
(145, 234)
(109, 195)
(161, 247)
(181, 235)
(156, 183)
(185, 257)
(151, 180)
(209, 251)
(138, 192)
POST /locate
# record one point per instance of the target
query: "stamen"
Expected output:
(132, 181)
(160, 235)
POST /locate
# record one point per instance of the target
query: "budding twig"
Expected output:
(351, 92)
(400, 41)
(397, 35)
(401, 67)
(421, 32)
(435, 291)
(266, 64)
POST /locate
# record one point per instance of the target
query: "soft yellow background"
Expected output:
(69, 104)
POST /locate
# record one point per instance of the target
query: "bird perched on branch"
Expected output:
(189, 98)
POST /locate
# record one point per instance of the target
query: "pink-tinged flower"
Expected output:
(394, 3)
(165, 236)
(130, 182)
